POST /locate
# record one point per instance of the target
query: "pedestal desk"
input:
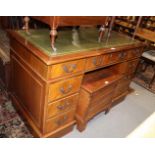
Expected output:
(46, 86)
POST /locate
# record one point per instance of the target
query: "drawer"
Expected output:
(100, 106)
(118, 56)
(104, 99)
(59, 121)
(128, 67)
(67, 68)
(97, 61)
(63, 88)
(122, 86)
(131, 67)
(62, 105)
(100, 94)
(133, 53)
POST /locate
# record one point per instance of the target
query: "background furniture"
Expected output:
(56, 21)
(147, 59)
(145, 30)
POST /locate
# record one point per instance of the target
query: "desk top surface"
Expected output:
(71, 44)
(74, 41)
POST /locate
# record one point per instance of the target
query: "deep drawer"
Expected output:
(63, 88)
(62, 105)
(59, 121)
(102, 105)
(104, 100)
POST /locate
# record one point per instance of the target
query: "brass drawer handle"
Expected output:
(70, 68)
(122, 55)
(61, 121)
(65, 91)
(130, 65)
(127, 77)
(64, 106)
(97, 62)
(110, 56)
(136, 52)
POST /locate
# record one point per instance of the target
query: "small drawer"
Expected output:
(96, 62)
(62, 105)
(59, 121)
(66, 68)
(100, 106)
(118, 56)
(63, 88)
(104, 99)
(133, 53)
(127, 67)
(131, 67)
(122, 86)
(101, 93)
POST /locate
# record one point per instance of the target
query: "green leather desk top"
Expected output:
(74, 41)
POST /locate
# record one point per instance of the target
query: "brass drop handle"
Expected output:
(130, 65)
(136, 52)
(61, 121)
(111, 55)
(65, 91)
(97, 62)
(64, 106)
(126, 77)
(121, 55)
(70, 68)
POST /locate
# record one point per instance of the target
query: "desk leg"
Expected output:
(81, 126)
(53, 34)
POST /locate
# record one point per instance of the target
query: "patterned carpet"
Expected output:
(143, 78)
(11, 125)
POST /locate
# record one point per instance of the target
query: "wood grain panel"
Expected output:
(37, 65)
(24, 85)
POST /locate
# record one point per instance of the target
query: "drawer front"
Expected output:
(62, 105)
(133, 53)
(66, 68)
(131, 67)
(97, 61)
(100, 106)
(103, 92)
(59, 121)
(102, 100)
(122, 86)
(63, 88)
(118, 56)
(127, 67)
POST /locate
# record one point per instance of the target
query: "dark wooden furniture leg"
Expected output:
(101, 34)
(26, 26)
(53, 34)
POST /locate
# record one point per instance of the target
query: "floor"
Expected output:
(122, 119)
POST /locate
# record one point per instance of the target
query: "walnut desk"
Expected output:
(45, 87)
